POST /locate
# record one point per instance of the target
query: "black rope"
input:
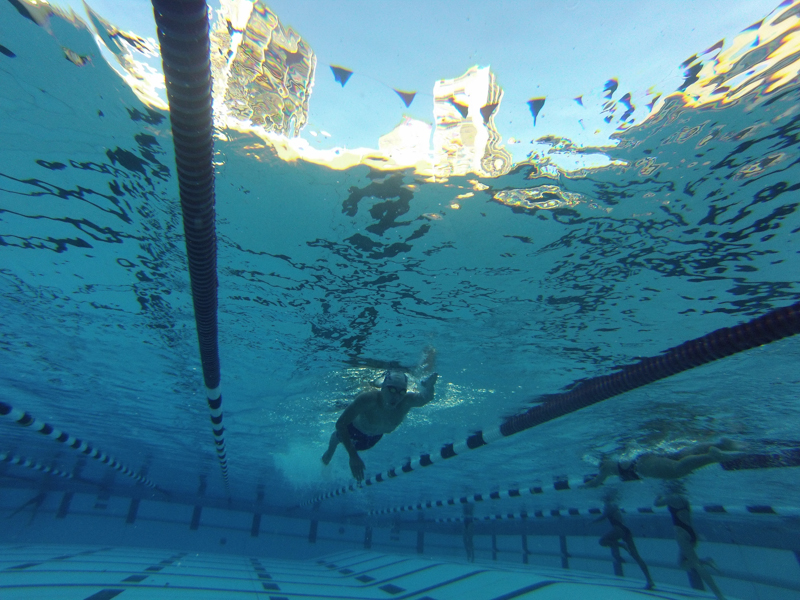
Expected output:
(721, 343)
(183, 34)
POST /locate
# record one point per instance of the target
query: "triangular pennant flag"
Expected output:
(461, 108)
(487, 111)
(629, 107)
(535, 104)
(579, 100)
(610, 87)
(341, 74)
(408, 97)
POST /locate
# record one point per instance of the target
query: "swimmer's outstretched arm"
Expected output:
(426, 395)
(607, 469)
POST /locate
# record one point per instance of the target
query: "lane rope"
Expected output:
(25, 419)
(32, 464)
(183, 35)
(785, 458)
(597, 511)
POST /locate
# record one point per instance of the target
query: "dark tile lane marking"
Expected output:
(64, 557)
(391, 564)
(262, 574)
(351, 565)
(393, 589)
(442, 584)
(22, 566)
(155, 589)
(301, 579)
(526, 589)
(245, 594)
(104, 595)
(271, 587)
(579, 582)
(164, 563)
(406, 574)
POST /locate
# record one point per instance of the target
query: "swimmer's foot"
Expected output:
(326, 458)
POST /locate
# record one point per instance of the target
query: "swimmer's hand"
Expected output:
(429, 381)
(357, 467)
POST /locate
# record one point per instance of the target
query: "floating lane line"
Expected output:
(789, 457)
(596, 511)
(32, 464)
(25, 419)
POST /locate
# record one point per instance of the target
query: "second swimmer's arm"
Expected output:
(607, 469)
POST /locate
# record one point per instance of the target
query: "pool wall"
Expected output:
(748, 569)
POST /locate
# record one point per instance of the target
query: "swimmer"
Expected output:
(686, 537)
(374, 413)
(469, 532)
(673, 466)
(621, 537)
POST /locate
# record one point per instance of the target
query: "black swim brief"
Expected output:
(362, 441)
(678, 522)
(628, 473)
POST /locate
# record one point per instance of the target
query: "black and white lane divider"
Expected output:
(787, 457)
(32, 464)
(25, 419)
(597, 511)
(183, 36)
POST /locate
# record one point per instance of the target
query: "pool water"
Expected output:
(407, 193)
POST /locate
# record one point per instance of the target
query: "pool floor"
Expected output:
(59, 572)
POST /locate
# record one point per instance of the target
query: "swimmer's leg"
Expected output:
(724, 444)
(691, 463)
(665, 468)
(326, 458)
(706, 576)
(720, 456)
(631, 548)
(715, 455)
